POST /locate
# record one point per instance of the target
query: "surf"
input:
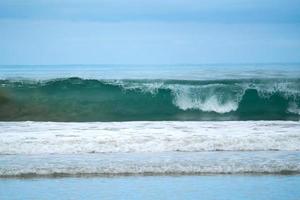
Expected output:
(76, 99)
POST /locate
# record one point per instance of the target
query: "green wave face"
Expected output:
(76, 99)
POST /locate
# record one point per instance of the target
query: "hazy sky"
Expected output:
(149, 31)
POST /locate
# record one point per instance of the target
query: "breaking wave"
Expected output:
(75, 99)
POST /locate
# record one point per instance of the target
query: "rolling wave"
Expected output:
(75, 99)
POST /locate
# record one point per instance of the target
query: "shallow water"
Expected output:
(154, 187)
(128, 137)
(150, 159)
(34, 149)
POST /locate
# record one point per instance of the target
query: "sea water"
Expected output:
(233, 129)
(219, 187)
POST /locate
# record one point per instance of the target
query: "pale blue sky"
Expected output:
(149, 32)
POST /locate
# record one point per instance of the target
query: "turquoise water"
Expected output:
(76, 99)
(154, 187)
(204, 121)
(84, 93)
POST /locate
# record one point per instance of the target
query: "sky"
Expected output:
(47, 32)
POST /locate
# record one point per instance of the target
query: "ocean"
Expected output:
(205, 125)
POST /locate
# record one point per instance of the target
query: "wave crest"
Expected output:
(76, 99)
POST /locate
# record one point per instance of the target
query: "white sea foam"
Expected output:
(176, 163)
(208, 105)
(222, 98)
(294, 108)
(207, 98)
(119, 137)
(287, 88)
(148, 148)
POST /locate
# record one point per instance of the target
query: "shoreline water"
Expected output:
(151, 164)
(147, 136)
(222, 187)
(30, 149)
(201, 154)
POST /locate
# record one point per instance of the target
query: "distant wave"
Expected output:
(75, 99)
